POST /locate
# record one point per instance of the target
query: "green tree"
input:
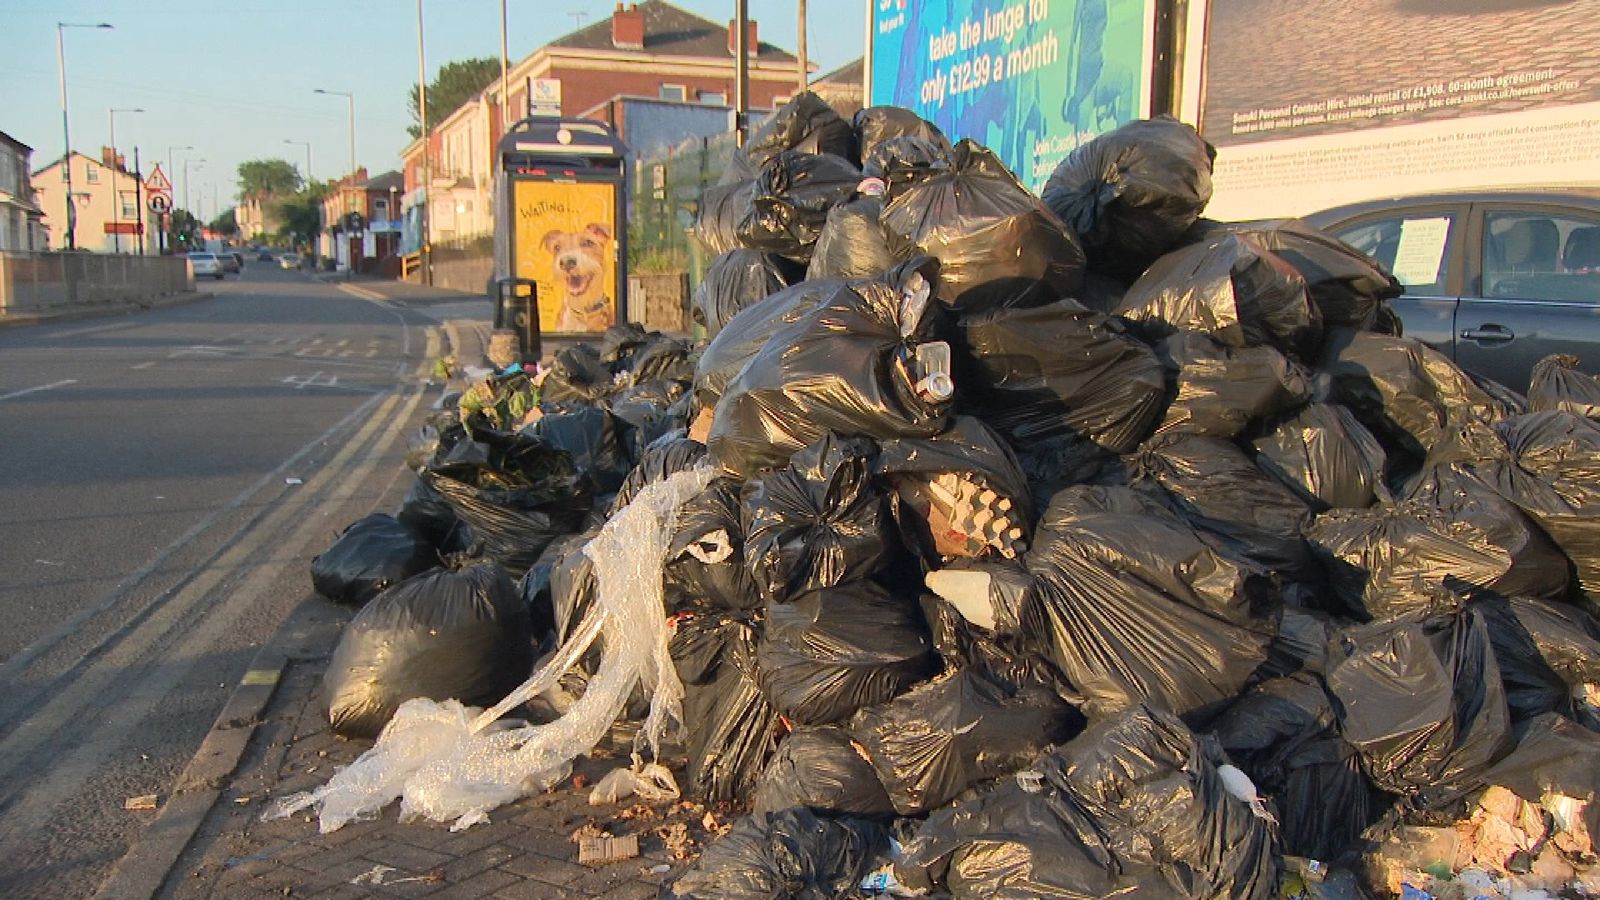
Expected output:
(301, 213)
(456, 83)
(184, 229)
(268, 178)
(225, 224)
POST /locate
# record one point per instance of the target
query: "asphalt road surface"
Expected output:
(165, 479)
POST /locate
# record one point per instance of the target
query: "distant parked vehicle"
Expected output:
(264, 256)
(206, 264)
(289, 261)
(1495, 279)
(232, 263)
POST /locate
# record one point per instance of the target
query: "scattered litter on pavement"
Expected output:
(292, 481)
(141, 802)
(600, 851)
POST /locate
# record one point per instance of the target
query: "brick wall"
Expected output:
(583, 89)
(660, 302)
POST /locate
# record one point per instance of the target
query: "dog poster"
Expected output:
(566, 242)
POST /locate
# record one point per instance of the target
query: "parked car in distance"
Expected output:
(1495, 279)
(231, 263)
(206, 264)
(289, 261)
(264, 256)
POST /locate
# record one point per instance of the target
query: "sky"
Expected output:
(236, 79)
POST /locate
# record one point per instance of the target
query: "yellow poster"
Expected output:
(566, 242)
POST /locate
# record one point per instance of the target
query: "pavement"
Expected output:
(69, 311)
(208, 838)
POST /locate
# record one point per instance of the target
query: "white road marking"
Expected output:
(42, 387)
(143, 365)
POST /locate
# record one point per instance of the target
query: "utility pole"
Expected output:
(116, 171)
(800, 46)
(427, 170)
(66, 134)
(138, 199)
(505, 101)
(741, 67)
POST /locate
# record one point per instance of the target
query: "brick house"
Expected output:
(106, 197)
(376, 200)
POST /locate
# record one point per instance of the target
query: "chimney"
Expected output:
(752, 47)
(627, 27)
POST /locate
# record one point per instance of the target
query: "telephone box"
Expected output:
(562, 221)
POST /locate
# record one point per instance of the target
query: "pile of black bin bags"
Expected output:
(1069, 547)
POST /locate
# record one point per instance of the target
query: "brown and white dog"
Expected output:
(579, 266)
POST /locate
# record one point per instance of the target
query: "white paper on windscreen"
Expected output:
(1420, 255)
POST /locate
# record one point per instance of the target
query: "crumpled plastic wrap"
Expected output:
(449, 763)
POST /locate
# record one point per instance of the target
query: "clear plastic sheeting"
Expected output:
(448, 764)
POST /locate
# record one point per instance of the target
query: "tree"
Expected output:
(456, 83)
(267, 178)
(301, 213)
(184, 229)
(225, 223)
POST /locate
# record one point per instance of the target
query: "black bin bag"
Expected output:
(805, 124)
(730, 728)
(851, 243)
(658, 463)
(1133, 606)
(735, 280)
(743, 336)
(1284, 735)
(1549, 658)
(1420, 698)
(791, 199)
(1060, 369)
(590, 435)
(790, 854)
(1133, 806)
(1221, 391)
(1327, 457)
(706, 558)
(1558, 384)
(721, 209)
(969, 451)
(1131, 193)
(445, 635)
(876, 125)
(373, 554)
(849, 366)
(997, 245)
(835, 650)
(517, 492)
(818, 522)
(946, 735)
(429, 516)
(821, 770)
(1232, 289)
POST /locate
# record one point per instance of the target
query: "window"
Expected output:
(1415, 248)
(380, 209)
(673, 92)
(129, 204)
(714, 98)
(1541, 256)
(91, 174)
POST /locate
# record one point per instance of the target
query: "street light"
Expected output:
(187, 162)
(116, 200)
(66, 134)
(171, 171)
(352, 100)
(424, 247)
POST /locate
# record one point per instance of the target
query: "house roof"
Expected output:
(57, 161)
(14, 142)
(387, 181)
(668, 31)
(848, 74)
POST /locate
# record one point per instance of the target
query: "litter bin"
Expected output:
(516, 309)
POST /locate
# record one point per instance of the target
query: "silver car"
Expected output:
(206, 264)
(1496, 280)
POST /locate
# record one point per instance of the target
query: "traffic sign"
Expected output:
(160, 204)
(158, 182)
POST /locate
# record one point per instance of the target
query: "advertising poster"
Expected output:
(1029, 79)
(1324, 102)
(565, 241)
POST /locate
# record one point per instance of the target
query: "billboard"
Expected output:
(565, 241)
(1030, 79)
(1322, 102)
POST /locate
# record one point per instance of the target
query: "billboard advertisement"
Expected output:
(564, 240)
(1322, 102)
(1030, 79)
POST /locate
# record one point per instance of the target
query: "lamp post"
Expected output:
(66, 133)
(187, 162)
(116, 200)
(351, 98)
(427, 172)
(172, 173)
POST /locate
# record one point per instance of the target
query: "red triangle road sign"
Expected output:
(158, 181)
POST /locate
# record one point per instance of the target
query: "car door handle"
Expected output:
(1493, 334)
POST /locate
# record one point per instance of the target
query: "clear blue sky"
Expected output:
(235, 78)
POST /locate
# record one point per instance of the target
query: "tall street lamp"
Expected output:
(187, 162)
(351, 98)
(116, 200)
(66, 134)
(172, 172)
(422, 110)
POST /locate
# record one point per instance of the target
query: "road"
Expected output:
(165, 479)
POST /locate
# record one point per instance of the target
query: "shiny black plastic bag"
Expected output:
(788, 855)
(971, 451)
(848, 366)
(1421, 699)
(706, 560)
(721, 208)
(730, 729)
(819, 769)
(577, 374)
(1221, 391)
(658, 464)
(743, 336)
(942, 737)
(521, 494)
(1554, 756)
(1132, 606)
(1558, 384)
(373, 554)
(1284, 735)
(805, 124)
(1547, 653)
(1231, 288)
(835, 650)
(589, 435)
(1059, 369)
(851, 243)
(1325, 456)
(791, 199)
(1348, 287)
(1131, 193)
(735, 280)
(997, 245)
(819, 522)
(461, 635)
(428, 515)
(876, 125)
